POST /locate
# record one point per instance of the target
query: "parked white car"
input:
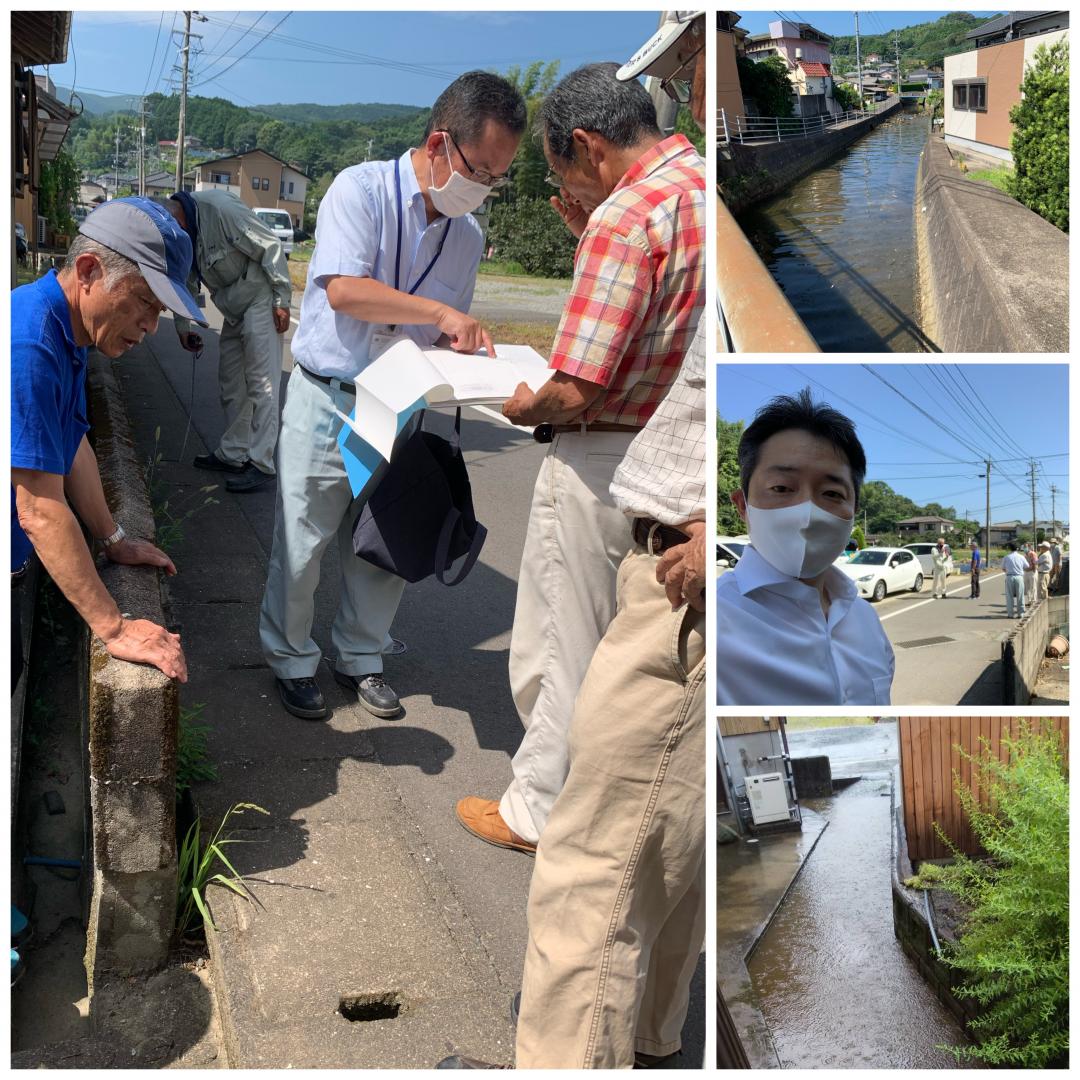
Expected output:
(879, 571)
(729, 550)
(925, 554)
(279, 223)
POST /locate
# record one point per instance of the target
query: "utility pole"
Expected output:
(858, 59)
(142, 146)
(370, 144)
(184, 52)
(1053, 506)
(899, 81)
(116, 164)
(986, 545)
(1034, 531)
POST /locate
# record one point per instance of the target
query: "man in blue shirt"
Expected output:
(127, 265)
(396, 252)
(976, 569)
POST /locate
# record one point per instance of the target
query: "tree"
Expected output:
(529, 232)
(685, 124)
(847, 97)
(767, 83)
(728, 434)
(859, 537)
(58, 191)
(1040, 142)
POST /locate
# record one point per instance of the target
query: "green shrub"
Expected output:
(767, 82)
(529, 232)
(1014, 949)
(1040, 142)
(192, 754)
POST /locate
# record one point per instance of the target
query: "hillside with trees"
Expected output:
(309, 113)
(922, 45)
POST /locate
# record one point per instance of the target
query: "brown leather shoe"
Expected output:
(482, 818)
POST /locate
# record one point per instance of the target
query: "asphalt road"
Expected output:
(947, 651)
(852, 751)
(453, 678)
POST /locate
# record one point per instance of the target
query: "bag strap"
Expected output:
(442, 549)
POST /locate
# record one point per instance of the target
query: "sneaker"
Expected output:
(21, 930)
(372, 692)
(216, 464)
(251, 478)
(302, 697)
(18, 968)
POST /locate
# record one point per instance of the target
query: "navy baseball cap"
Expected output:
(151, 237)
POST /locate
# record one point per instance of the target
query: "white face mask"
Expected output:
(801, 541)
(459, 195)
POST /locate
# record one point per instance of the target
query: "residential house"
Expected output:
(91, 193)
(259, 179)
(755, 788)
(1004, 532)
(917, 526)
(729, 39)
(983, 84)
(160, 183)
(39, 120)
(805, 50)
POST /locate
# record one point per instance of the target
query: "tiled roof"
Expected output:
(813, 68)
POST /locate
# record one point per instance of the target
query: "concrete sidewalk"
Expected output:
(383, 934)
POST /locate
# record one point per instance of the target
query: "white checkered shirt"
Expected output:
(663, 473)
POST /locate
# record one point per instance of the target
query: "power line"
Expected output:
(153, 57)
(244, 32)
(253, 47)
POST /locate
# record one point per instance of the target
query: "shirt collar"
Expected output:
(654, 158)
(410, 188)
(753, 572)
(61, 312)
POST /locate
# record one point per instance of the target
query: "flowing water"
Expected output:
(833, 984)
(841, 242)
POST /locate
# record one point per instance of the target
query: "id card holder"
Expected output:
(381, 340)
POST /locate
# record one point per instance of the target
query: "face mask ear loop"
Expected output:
(652, 532)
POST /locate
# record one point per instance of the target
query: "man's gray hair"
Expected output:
(116, 267)
(592, 99)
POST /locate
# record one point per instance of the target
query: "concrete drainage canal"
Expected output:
(831, 981)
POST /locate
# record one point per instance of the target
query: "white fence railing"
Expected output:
(767, 129)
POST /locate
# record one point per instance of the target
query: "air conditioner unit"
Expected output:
(768, 799)
(41, 228)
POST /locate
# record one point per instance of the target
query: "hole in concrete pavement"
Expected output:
(365, 1007)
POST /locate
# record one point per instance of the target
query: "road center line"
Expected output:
(492, 413)
(903, 611)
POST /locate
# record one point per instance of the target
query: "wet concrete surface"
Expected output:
(852, 751)
(829, 977)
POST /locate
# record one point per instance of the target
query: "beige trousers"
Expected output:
(617, 903)
(249, 373)
(1044, 585)
(565, 600)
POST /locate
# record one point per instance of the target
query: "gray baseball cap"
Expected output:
(150, 236)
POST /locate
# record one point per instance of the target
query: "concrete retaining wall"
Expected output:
(1022, 651)
(992, 275)
(133, 713)
(750, 174)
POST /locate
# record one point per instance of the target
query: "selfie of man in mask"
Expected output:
(791, 628)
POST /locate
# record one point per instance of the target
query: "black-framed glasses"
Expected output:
(678, 87)
(481, 176)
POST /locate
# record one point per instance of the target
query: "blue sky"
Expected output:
(1025, 404)
(838, 23)
(357, 55)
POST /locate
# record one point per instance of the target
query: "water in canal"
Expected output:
(833, 984)
(841, 242)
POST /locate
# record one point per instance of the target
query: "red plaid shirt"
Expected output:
(639, 285)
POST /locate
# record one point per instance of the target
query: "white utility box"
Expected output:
(768, 798)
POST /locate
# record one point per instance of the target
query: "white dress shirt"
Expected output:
(356, 236)
(775, 645)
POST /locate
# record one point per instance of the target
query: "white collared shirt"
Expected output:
(356, 236)
(776, 647)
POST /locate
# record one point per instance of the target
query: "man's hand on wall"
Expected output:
(143, 642)
(131, 552)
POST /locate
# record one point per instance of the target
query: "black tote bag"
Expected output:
(420, 518)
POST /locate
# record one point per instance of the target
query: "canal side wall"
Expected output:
(750, 174)
(992, 275)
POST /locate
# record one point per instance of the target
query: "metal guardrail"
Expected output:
(755, 316)
(771, 129)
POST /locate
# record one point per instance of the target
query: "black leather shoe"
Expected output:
(372, 692)
(456, 1061)
(302, 697)
(251, 479)
(656, 1061)
(215, 464)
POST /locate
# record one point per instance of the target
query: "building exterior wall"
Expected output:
(728, 91)
(959, 124)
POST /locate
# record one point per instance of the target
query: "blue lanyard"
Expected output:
(397, 257)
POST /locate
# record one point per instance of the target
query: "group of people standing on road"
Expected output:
(607, 647)
(1030, 574)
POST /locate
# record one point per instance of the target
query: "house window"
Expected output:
(219, 178)
(290, 187)
(266, 183)
(970, 95)
(254, 183)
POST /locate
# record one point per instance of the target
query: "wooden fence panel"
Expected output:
(748, 725)
(931, 758)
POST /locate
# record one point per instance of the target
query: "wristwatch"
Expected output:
(115, 538)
